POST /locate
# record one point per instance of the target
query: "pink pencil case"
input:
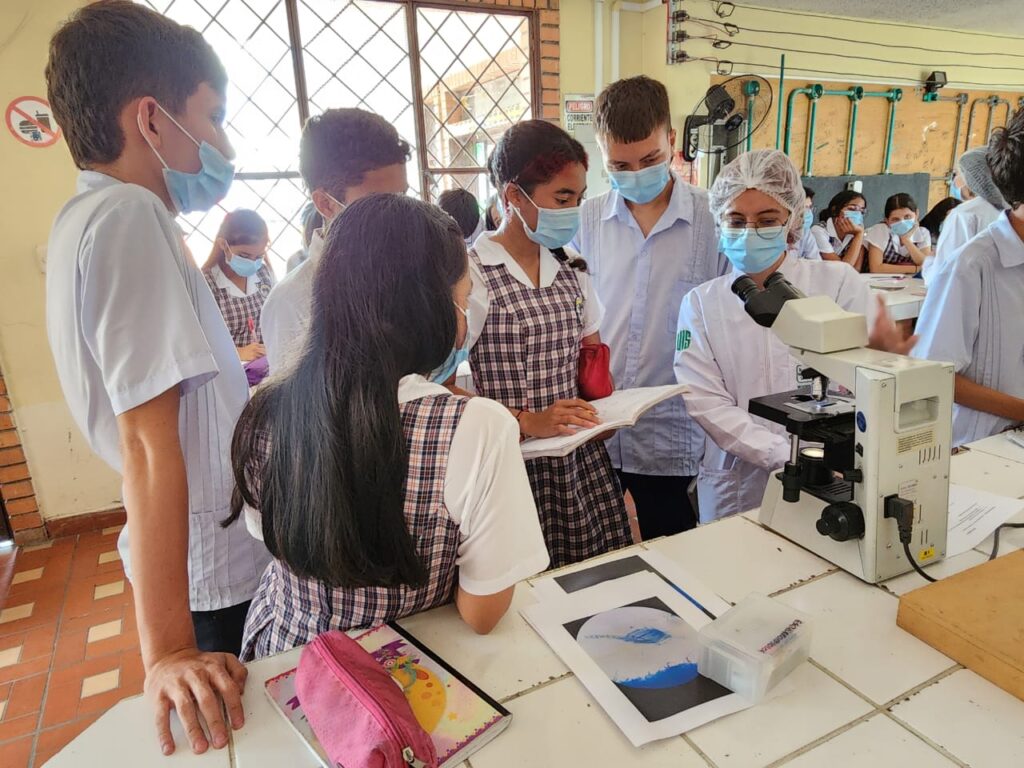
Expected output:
(356, 709)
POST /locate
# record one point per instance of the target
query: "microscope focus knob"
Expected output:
(841, 521)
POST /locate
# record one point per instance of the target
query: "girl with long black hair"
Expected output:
(378, 492)
(533, 305)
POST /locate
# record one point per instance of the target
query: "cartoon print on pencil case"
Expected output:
(424, 691)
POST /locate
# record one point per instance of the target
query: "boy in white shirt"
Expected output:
(344, 154)
(975, 305)
(647, 242)
(145, 360)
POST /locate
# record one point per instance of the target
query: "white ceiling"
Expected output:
(1004, 17)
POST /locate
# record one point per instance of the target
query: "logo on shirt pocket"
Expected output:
(683, 339)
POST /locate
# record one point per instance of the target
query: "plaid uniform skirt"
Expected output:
(242, 313)
(290, 610)
(527, 357)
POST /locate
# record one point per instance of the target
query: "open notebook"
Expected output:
(621, 409)
(459, 717)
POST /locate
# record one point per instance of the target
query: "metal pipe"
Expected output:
(1009, 111)
(809, 157)
(961, 101)
(811, 89)
(970, 121)
(598, 45)
(993, 102)
(751, 88)
(851, 142)
(778, 114)
(896, 95)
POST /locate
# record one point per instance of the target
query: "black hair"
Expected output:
(113, 51)
(531, 153)
(841, 200)
(630, 110)
(240, 227)
(490, 224)
(340, 146)
(932, 220)
(462, 206)
(330, 483)
(808, 193)
(899, 200)
(1005, 159)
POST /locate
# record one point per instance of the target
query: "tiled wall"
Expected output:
(15, 479)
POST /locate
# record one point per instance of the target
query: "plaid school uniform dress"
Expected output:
(242, 313)
(527, 357)
(290, 610)
(892, 256)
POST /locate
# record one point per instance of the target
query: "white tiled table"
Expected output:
(905, 303)
(872, 695)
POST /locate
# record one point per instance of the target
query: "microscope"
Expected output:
(867, 482)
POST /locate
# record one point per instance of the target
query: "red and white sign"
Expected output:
(30, 121)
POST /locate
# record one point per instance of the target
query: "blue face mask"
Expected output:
(456, 357)
(640, 186)
(198, 191)
(854, 217)
(808, 220)
(244, 267)
(956, 193)
(750, 252)
(900, 228)
(556, 227)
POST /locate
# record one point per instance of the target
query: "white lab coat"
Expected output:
(961, 225)
(726, 358)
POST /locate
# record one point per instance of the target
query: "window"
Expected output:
(451, 80)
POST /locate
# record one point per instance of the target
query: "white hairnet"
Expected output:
(767, 170)
(973, 167)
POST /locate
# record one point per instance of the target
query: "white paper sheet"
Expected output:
(974, 515)
(557, 585)
(1006, 445)
(552, 618)
(620, 409)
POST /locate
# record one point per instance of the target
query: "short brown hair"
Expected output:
(632, 109)
(110, 52)
(1005, 158)
(340, 146)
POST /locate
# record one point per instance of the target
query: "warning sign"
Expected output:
(579, 110)
(30, 121)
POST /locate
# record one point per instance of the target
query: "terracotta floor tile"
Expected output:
(36, 649)
(26, 697)
(54, 740)
(16, 754)
(81, 595)
(45, 613)
(60, 552)
(70, 649)
(64, 701)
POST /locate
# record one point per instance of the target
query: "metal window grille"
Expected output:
(451, 78)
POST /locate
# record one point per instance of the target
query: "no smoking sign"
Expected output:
(30, 121)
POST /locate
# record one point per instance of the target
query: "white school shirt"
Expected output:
(641, 281)
(807, 246)
(880, 235)
(825, 233)
(962, 224)
(487, 494)
(284, 320)
(726, 359)
(492, 254)
(973, 316)
(129, 316)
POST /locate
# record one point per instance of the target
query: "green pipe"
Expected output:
(812, 91)
(894, 96)
(778, 115)
(751, 88)
(852, 140)
(809, 161)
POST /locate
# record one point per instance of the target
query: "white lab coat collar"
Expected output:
(1008, 243)
(493, 254)
(316, 246)
(252, 283)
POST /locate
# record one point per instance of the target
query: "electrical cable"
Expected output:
(995, 538)
(788, 12)
(913, 562)
(732, 63)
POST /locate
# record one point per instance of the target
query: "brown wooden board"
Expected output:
(976, 618)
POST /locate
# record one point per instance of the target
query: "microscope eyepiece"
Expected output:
(764, 305)
(745, 288)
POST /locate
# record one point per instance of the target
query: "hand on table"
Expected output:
(251, 352)
(196, 684)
